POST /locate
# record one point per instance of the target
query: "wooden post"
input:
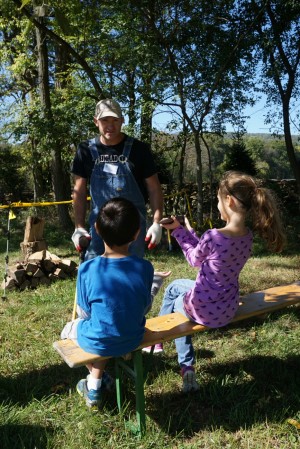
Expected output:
(33, 237)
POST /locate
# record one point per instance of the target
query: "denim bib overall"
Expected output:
(112, 177)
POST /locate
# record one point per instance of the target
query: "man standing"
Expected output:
(114, 165)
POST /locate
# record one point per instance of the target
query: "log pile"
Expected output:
(40, 268)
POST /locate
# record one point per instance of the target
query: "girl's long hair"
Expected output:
(259, 202)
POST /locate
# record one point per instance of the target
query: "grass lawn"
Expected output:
(249, 372)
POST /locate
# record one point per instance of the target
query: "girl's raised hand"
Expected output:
(170, 222)
(187, 224)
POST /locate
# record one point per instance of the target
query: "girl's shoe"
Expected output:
(189, 382)
(158, 348)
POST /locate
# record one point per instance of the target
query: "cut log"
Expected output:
(24, 285)
(52, 257)
(52, 277)
(31, 268)
(37, 256)
(29, 248)
(18, 274)
(34, 229)
(9, 284)
(60, 273)
(34, 282)
(38, 273)
(69, 266)
(45, 281)
(48, 265)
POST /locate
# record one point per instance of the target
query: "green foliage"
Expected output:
(196, 60)
(14, 181)
(166, 149)
(237, 157)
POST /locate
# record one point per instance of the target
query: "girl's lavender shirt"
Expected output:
(214, 298)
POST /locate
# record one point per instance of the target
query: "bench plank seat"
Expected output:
(168, 327)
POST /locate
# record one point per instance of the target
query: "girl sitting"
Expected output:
(220, 254)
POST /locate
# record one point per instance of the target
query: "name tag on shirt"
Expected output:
(110, 168)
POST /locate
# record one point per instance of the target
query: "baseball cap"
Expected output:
(108, 108)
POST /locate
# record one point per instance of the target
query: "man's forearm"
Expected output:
(157, 208)
(155, 198)
(79, 207)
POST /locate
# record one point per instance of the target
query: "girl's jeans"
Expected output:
(173, 302)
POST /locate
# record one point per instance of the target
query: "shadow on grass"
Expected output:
(60, 380)
(234, 395)
(237, 396)
(39, 383)
(14, 436)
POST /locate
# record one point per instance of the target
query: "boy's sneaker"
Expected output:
(189, 380)
(108, 382)
(157, 348)
(92, 397)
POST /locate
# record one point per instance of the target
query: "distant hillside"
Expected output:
(268, 152)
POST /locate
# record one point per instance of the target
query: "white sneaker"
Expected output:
(189, 382)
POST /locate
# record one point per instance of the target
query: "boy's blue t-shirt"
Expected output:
(115, 293)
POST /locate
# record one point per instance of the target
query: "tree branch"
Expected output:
(59, 40)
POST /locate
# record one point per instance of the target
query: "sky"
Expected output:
(254, 124)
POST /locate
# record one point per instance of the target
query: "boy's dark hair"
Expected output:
(118, 221)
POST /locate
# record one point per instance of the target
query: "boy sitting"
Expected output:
(114, 292)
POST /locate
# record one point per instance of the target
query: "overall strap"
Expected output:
(93, 148)
(127, 147)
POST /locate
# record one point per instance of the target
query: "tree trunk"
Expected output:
(38, 178)
(295, 165)
(132, 100)
(211, 190)
(147, 112)
(57, 172)
(146, 124)
(199, 178)
(182, 156)
(286, 79)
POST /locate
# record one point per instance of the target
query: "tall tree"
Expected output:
(209, 63)
(278, 32)
(57, 171)
(52, 85)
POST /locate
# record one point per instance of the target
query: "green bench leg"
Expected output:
(137, 375)
(119, 386)
(139, 391)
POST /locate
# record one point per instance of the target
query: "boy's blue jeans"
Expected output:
(173, 302)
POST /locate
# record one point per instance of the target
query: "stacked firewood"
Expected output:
(40, 268)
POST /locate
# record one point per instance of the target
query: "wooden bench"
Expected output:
(167, 328)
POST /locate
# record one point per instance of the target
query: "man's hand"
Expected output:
(154, 235)
(81, 239)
